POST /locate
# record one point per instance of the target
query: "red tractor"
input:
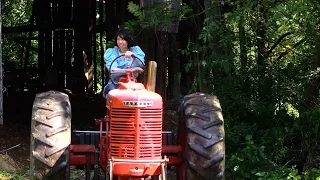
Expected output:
(131, 143)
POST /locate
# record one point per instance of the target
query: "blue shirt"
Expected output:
(123, 63)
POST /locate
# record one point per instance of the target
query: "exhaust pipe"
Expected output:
(152, 73)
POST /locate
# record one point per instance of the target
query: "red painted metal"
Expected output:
(136, 169)
(78, 154)
(104, 142)
(135, 129)
(171, 149)
(76, 160)
(81, 148)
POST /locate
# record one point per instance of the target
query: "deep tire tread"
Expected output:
(43, 107)
(51, 136)
(55, 150)
(200, 132)
(200, 150)
(207, 143)
(43, 139)
(204, 128)
(41, 157)
(48, 123)
(55, 114)
(212, 123)
(55, 131)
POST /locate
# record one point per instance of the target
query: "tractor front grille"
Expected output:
(136, 133)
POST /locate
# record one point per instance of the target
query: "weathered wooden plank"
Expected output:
(173, 67)
(94, 50)
(40, 27)
(111, 19)
(62, 59)
(101, 17)
(121, 11)
(161, 59)
(1, 70)
(69, 68)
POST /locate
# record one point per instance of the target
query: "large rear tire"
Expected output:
(50, 136)
(203, 133)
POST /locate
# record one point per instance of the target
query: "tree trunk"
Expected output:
(262, 59)
(261, 36)
(242, 39)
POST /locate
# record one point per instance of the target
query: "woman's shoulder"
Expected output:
(135, 48)
(112, 50)
(110, 53)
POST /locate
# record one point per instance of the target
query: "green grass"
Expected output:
(75, 174)
(4, 175)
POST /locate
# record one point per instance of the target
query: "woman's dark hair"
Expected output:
(126, 35)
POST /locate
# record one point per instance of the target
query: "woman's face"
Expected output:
(122, 44)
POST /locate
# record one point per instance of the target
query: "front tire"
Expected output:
(204, 147)
(50, 136)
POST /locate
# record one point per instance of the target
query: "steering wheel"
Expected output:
(118, 58)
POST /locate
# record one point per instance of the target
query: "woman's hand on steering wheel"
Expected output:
(137, 69)
(128, 54)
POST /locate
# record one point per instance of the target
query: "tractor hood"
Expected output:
(134, 98)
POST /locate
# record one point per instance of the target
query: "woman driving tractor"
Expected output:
(122, 57)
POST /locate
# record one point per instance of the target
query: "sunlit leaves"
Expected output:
(159, 13)
(135, 10)
(17, 12)
(185, 11)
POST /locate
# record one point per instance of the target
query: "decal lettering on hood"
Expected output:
(138, 103)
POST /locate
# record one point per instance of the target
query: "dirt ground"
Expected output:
(14, 147)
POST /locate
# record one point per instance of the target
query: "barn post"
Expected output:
(1, 70)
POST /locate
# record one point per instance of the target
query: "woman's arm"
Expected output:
(137, 51)
(110, 55)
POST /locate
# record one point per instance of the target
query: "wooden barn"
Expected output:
(72, 36)
(63, 44)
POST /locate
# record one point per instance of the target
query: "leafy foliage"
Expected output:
(159, 13)
(15, 13)
(259, 58)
